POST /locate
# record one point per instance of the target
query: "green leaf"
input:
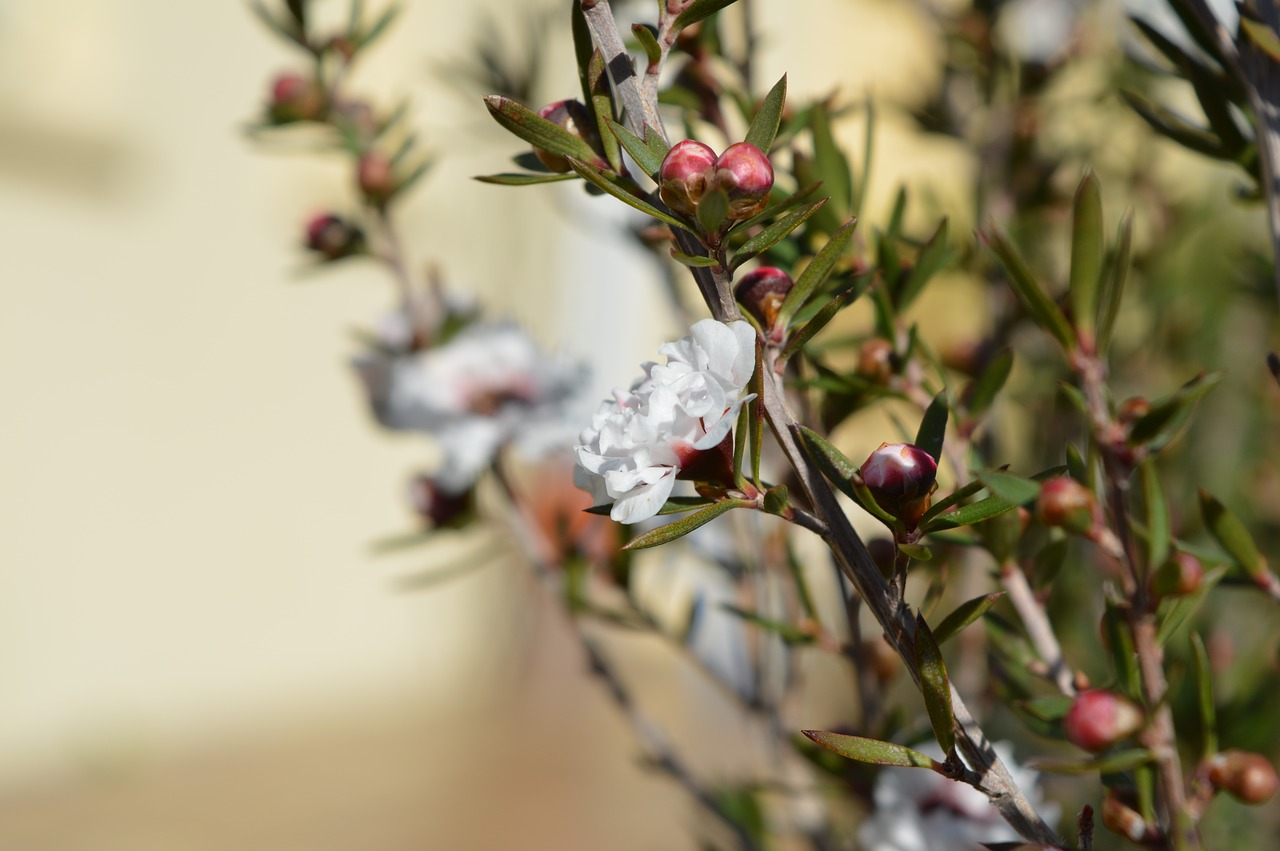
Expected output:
(1052, 708)
(935, 686)
(788, 633)
(981, 394)
(933, 256)
(674, 505)
(983, 509)
(1013, 488)
(1086, 254)
(648, 42)
(698, 10)
(830, 163)
(517, 179)
(538, 131)
(917, 552)
(1033, 294)
(1115, 763)
(774, 233)
(1263, 36)
(1232, 535)
(602, 108)
(796, 341)
(1120, 644)
(624, 190)
(764, 127)
(835, 465)
(933, 427)
(680, 528)
(1168, 123)
(648, 153)
(712, 210)
(817, 271)
(965, 614)
(693, 261)
(1157, 515)
(1204, 699)
(871, 751)
(1168, 415)
(1174, 612)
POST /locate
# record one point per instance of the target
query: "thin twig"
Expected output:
(1036, 620)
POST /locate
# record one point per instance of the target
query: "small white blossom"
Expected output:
(486, 387)
(638, 442)
(917, 810)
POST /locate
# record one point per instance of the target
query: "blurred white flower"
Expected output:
(488, 386)
(638, 442)
(918, 810)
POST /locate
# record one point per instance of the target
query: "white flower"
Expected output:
(488, 386)
(637, 443)
(918, 810)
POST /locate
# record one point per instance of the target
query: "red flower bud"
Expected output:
(902, 478)
(762, 291)
(686, 173)
(375, 177)
(295, 98)
(1067, 503)
(1099, 718)
(746, 176)
(571, 115)
(1247, 777)
(1181, 574)
(333, 237)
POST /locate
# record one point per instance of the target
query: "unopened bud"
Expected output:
(1066, 503)
(1120, 818)
(571, 115)
(1247, 777)
(333, 237)
(295, 98)
(746, 176)
(762, 291)
(1181, 574)
(901, 477)
(1099, 718)
(686, 173)
(375, 177)
(438, 507)
(1132, 409)
(875, 360)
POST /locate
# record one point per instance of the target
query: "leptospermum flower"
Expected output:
(638, 442)
(487, 387)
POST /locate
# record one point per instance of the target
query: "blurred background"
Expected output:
(199, 647)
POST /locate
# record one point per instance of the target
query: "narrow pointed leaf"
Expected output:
(982, 393)
(1204, 698)
(1086, 254)
(935, 686)
(1168, 123)
(712, 210)
(602, 108)
(1110, 764)
(648, 42)
(1232, 535)
(1175, 612)
(1013, 488)
(870, 750)
(933, 427)
(933, 256)
(624, 191)
(965, 614)
(774, 233)
(680, 528)
(764, 127)
(691, 260)
(1157, 515)
(648, 152)
(1168, 415)
(835, 464)
(983, 509)
(1029, 289)
(538, 131)
(788, 633)
(817, 271)
(796, 341)
(699, 10)
(517, 179)
(832, 167)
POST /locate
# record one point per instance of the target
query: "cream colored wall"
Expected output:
(188, 485)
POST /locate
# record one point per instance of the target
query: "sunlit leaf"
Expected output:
(871, 751)
(680, 528)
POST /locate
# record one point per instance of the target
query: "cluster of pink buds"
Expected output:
(902, 478)
(691, 170)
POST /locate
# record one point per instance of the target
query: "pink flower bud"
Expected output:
(1181, 574)
(746, 176)
(333, 237)
(762, 291)
(571, 115)
(686, 173)
(1066, 503)
(902, 478)
(1247, 777)
(375, 177)
(295, 98)
(1099, 718)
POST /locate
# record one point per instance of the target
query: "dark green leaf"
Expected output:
(1028, 287)
(1232, 535)
(538, 131)
(982, 393)
(817, 271)
(871, 751)
(835, 465)
(1157, 515)
(1204, 699)
(933, 256)
(1013, 488)
(680, 528)
(698, 10)
(1053, 708)
(965, 614)
(515, 179)
(624, 190)
(933, 427)
(648, 42)
(764, 127)
(1111, 764)
(648, 153)
(796, 341)
(1168, 415)
(983, 509)
(830, 163)
(935, 686)
(602, 108)
(1086, 254)
(712, 210)
(774, 233)
(1168, 123)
